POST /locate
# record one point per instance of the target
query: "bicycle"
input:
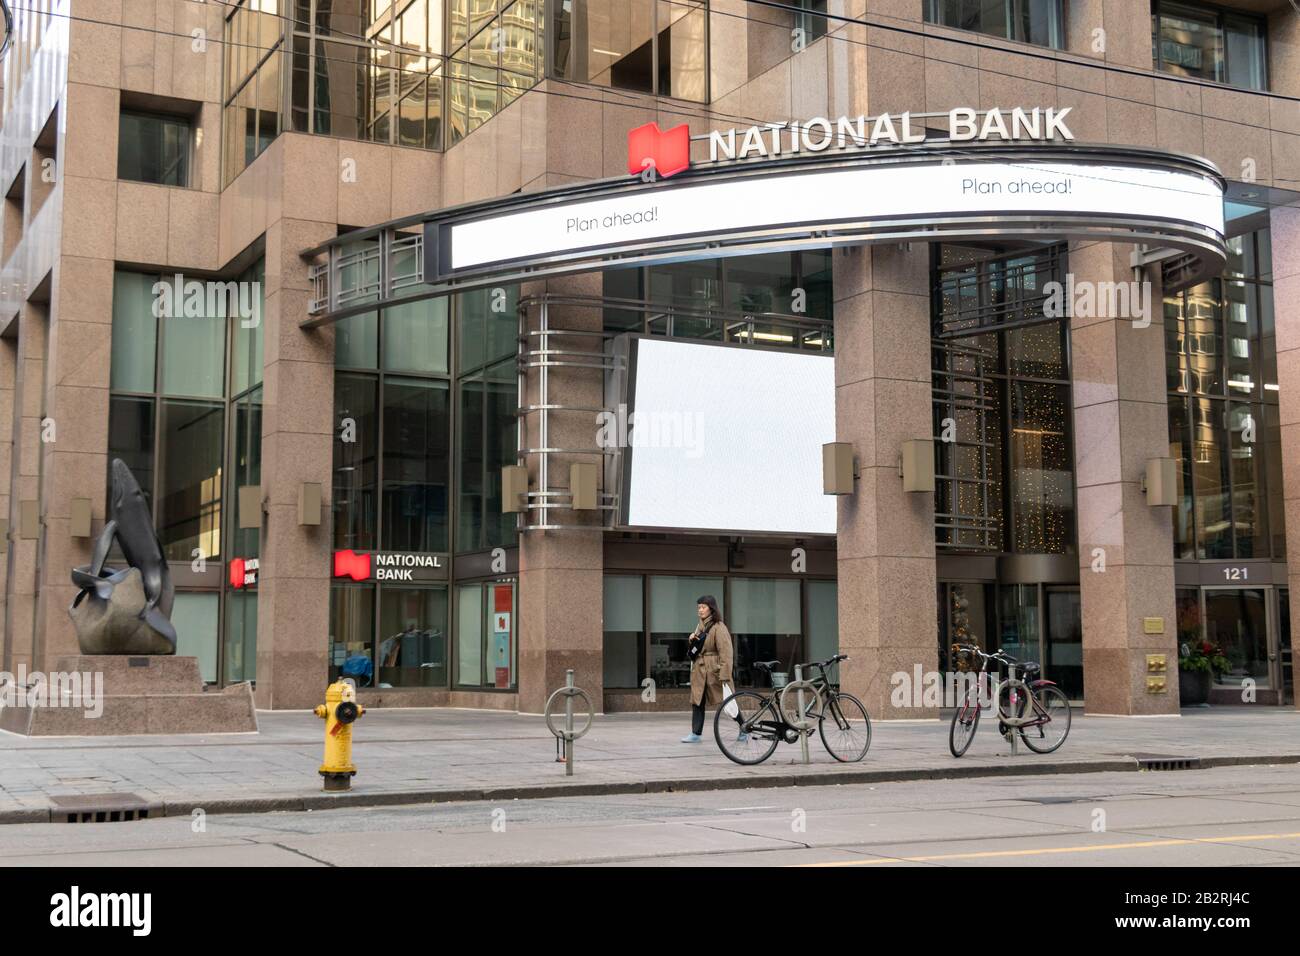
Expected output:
(1050, 708)
(763, 722)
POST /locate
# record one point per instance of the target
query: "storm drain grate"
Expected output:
(1166, 762)
(100, 808)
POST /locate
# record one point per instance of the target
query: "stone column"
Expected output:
(885, 544)
(1284, 225)
(8, 383)
(297, 446)
(1126, 565)
(20, 611)
(561, 572)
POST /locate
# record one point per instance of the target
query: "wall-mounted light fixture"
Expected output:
(250, 506)
(916, 465)
(839, 468)
(309, 503)
(582, 485)
(514, 488)
(1161, 482)
(79, 518)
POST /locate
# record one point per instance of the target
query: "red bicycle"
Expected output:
(1036, 709)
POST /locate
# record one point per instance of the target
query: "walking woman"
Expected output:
(709, 648)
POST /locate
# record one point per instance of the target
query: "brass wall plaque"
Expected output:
(1156, 663)
(1153, 625)
(1156, 685)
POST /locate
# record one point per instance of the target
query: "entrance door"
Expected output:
(1063, 660)
(1237, 620)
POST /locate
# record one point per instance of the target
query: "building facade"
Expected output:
(329, 491)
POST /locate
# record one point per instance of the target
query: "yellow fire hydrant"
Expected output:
(339, 710)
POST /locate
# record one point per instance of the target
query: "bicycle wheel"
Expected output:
(845, 728)
(750, 736)
(964, 723)
(1047, 736)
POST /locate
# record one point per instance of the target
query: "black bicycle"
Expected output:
(756, 724)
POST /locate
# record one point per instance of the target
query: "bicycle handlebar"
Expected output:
(829, 662)
(998, 655)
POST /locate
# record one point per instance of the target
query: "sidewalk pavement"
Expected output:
(407, 756)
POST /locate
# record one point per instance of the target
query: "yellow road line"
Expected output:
(989, 854)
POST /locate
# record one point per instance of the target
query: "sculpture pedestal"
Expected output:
(111, 694)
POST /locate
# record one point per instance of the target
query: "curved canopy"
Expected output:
(892, 194)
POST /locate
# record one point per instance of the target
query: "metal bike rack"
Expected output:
(801, 723)
(568, 692)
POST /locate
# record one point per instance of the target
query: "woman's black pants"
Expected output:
(697, 715)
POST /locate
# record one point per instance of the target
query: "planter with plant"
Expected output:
(1198, 662)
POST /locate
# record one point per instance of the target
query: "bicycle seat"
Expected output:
(1028, 670)
(766, 665)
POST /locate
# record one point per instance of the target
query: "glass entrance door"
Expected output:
(1236, 619)
(1063, 661)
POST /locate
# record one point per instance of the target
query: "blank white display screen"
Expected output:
(841, 194)
(729, 438)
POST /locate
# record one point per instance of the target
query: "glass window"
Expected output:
(766, 625)
(486, 635)
(130, 437)
(153, 149)
(413, 637)
(1042, 468)
(672, 618)
(649, 46)
(241, 636)
(416, 448)
(135, 332)
(194, 354)
(194, 615)
(356, 461)
(469, 634)
(189, 479)
(352, 633)
(489, 439)
(1209, 44)
(823, 620)
(487, 326)
(1180, 450)
(1029, 21)
(624, 631)
(1210, 470)
(247, 349)
(415, 337)
(1245, 428)
(247, 464)
(341, 83)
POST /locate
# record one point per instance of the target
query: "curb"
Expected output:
(323, 801)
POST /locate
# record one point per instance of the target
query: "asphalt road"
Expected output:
(1241, 816)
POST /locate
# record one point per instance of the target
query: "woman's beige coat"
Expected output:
(712, 667)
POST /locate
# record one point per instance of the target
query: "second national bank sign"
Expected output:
(827, 182)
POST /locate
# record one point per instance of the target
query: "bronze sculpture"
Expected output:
(125, 611)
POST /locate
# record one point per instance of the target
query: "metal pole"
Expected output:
(568, 725)
(803, 737)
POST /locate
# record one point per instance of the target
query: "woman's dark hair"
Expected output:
(715, 616)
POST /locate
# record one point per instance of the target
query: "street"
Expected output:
(1235, 816)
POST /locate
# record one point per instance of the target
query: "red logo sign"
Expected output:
(669, 152)
(349, 564)
(243, 572)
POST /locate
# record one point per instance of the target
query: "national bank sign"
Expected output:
(822, 182)
(667, 153)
